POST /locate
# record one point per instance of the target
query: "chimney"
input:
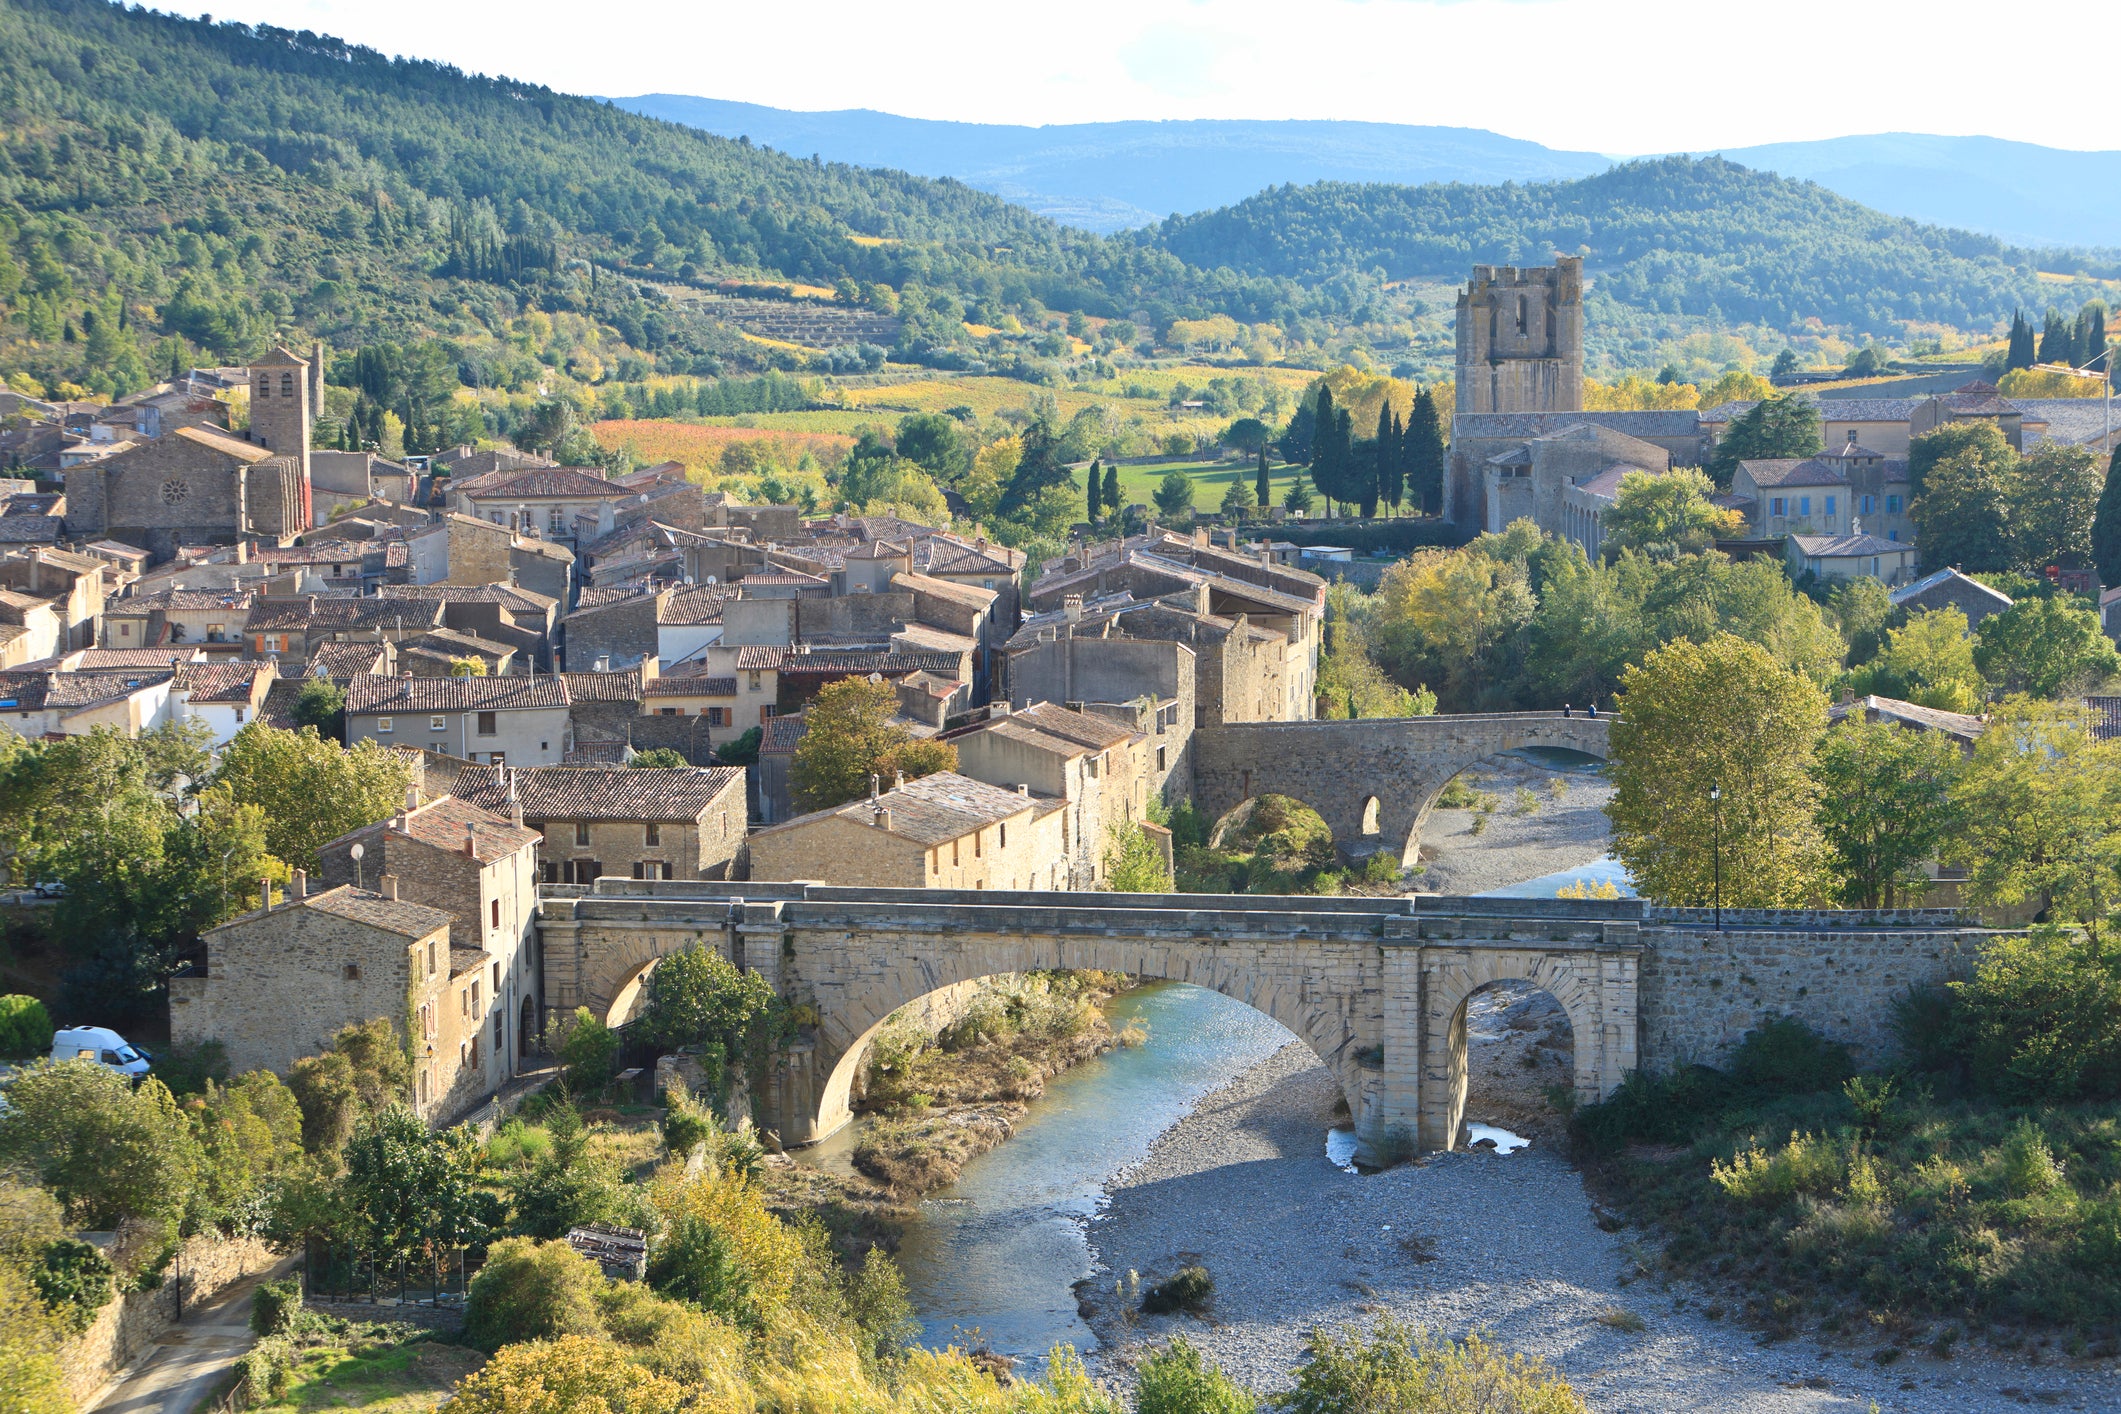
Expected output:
(1072, 608)
(242, 552)
(997, 709)
(265, 893)
(298, 886)
(515, 804)
(471, 838)
(883, 819)
(900, 782)
(1023, 788)
(876, 784)
(388, 884)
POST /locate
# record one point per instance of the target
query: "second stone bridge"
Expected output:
(1376, 987)
(1372, 780)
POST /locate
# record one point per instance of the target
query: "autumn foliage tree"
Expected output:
(852, 737)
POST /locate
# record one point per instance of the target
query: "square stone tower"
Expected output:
(1520, 338)
(281, 412)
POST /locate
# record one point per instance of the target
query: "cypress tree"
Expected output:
(2020, 354)
(2106, 526)
(1112, 489)
(1325, 471)
(1391, 459)
(1097, 488)
(2056, 338)
(1425, 451)
(1344, 456)
(1261, 488)
(2094, 350)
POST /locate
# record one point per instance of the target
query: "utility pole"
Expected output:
(1716, 807)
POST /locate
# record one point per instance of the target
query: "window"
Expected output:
(652, 833)
(494, 913)
(754, 683)
(717, 716)
(475, 997)
(488, 723)
(430, 959)
(497, 1032)
(125, 630)
(353, 972)
(438, 724)
(651, 869)
(427, 1022)
(554, 521)
(935, 862)
(382, 725)
(1866, 504)
(549, 871)
(671, 712)
(1163, 754)
(978, 844)
(1830, 504)
(423, 1087)
(581, 832)
(497, 979)
(1892, 505)
(1804, 505)
(1005, 834)
(287, 385)
(953, 854)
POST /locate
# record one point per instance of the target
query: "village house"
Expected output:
(944, 831)
(75, 585)
(639, 822)
(291, 627)
(1099, 767)
(1834, 557)
(225, 696)
(210, 619)
(514, 720)
(567, 505)
(43, 703)
(1949, 588)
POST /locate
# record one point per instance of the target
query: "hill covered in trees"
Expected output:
(1671, 236)
(223, 183)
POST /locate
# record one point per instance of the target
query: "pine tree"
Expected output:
(1262, 491)
(1112, 489)
(1097, 488)
(2106, 526)
(2056, 338)
(2020, 353)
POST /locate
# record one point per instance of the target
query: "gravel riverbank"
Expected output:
(1560, 832)
(1511, 1245)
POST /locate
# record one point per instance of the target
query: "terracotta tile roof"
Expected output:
(755, 656)
(185, 599)
(1909, 714)
(227, 683)
(691, 685)
(451, 643)
(674, 794)
(33, 691)
(31, 529)
(1793, 471)
(947, 555)
(406, 920)
(370, 695)
(121, 660)
(1083, 727)
(932, 810)
(781, 734)
(1843, 546)
(972, 596)
(698, 604)
(506, 595)
(846, 662)
(445, 823)
(248, 453)
(339, 613)
(548, 481)
(345, 660)
(622, 686)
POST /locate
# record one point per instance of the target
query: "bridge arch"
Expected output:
(1451, 982)
(1403, 763)
(1306, 1003)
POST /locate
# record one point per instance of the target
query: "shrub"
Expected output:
(1188, 1289)
(2041, 1019)
(76, 1281)
(1806, 1164)
(589, 1051)
(2029, 1166)
(1458, 794)
(532, 1291)
(274, 1306)
(1786, 1057)
(1527, 802)
(571, 1373)
(1381, 868)
(1401, 1369)
(25, 1028)
(264, 1372)
(686, 1123)
(1176, 1380)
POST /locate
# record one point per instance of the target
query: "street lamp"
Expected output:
(1716, 807)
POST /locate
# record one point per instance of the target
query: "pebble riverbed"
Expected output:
(1469, 1241)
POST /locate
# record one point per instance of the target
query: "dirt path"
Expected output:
(188, 1362)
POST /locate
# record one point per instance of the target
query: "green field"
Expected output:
(1138, 480)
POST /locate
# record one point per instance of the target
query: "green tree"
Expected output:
(361, 1073)
(1884, 807)
(415, 1190)
(311, 790)
(852, 737)
(1038, 469)
(1963, 516)
(2106, 525)
(1174, 497)
(2042, 645)
(1929, 660)
(1671, 513)
(1424, 454)
(1133, 862)
(1237, 500)
(1298, 500)
(31, 1381)
(1262, 488)
(25, 1028)
(1112, 502)
(1719, 715)
(697, 997)
(588, 1051)
(1786, 425)
(1176, 1380)
(2040, 1019)
(2055, 499)
(321, 706)
(659, 758)
(106, 1149)
(532, 1291)
(1980, 439)
(2038, 805)
(936, 441)
(1095, 489)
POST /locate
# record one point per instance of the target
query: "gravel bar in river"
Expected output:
(1510, 1245)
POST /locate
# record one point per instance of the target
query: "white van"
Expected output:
(102, 1045)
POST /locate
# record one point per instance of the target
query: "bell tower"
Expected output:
(1520, 338)
(281, 412)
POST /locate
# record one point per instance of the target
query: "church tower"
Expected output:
(281, 413)
(1520, 338)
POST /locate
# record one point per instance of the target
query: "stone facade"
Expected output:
(1376, 987)
(130, 1325)
(663, 823)
(944, 831)
(1520, 338)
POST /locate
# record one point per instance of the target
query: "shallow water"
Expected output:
(1606, 870)
(994, 1257)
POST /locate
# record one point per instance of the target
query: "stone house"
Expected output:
(38, 703)
(1878, 491)
(1949, 588)
(944, 831)
(1235, 671)
(437, 652)
(483, 553)
(772, 798)
(690, 621)
(515, 720)
(277, 984)
(567, 505)
(649, 823)
(76, 586)
(602, 707)
(1794, 495)
(1097, 766)
(356, 478)
(498, 613)
(291, 626)
(208, 619)
(697, 694)
(29, 628)
(614, 632)
(226, 696)
(481, 868)
(1850, 557)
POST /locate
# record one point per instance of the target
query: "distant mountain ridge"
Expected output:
(1114, 176)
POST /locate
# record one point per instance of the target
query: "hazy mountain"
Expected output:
(1110, 176)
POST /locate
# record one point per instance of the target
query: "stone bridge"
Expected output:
(1373, 780)
(1376, 987)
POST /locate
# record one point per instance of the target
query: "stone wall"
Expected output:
(128, 1327)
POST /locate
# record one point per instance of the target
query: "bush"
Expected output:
(2041, 1019)
(1786, 1057)
(532, 1291)
(25, 1028)
(1176, 1380)
(264, 1372)
(75, 1280)
(275, 1305)
(1189, 1289)
(1401, 1369)
(686, 1125)
(589, 1051)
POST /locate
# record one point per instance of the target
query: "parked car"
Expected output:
(50, 888)
(102, 1045)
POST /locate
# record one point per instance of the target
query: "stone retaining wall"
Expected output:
(128, 1327)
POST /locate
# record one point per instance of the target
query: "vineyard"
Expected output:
(700, 448)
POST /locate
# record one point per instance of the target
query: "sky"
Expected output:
(1612, 76)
